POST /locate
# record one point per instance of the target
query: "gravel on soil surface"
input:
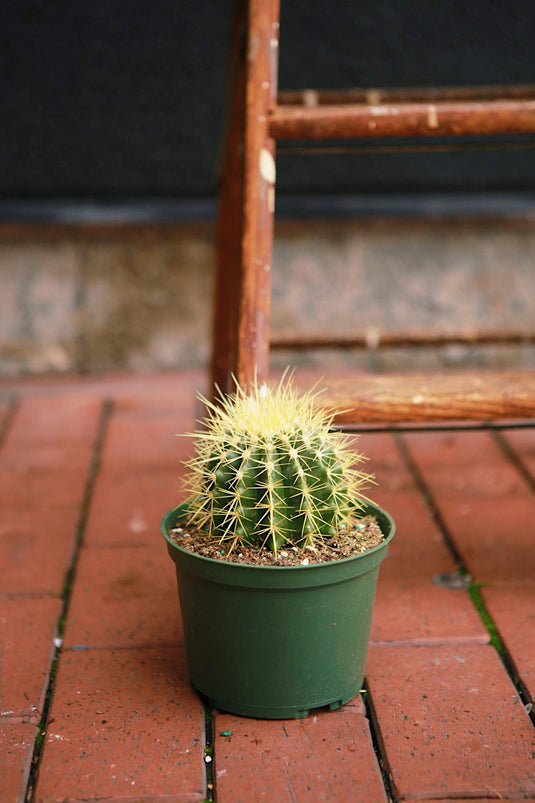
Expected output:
(348, 542)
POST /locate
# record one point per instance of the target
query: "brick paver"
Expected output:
(127, 508)
(54, 421)
(487, 506)
(327, 757)
(451, 722)
(27, 630)
(124, 597)
(513, 610)
(410, 607)
(36, 550)
(139, 477)
(16, 749)
(125, 594)
(522, 441)
(44, 469)
(40, 492)
(124, 724)
(137, 440)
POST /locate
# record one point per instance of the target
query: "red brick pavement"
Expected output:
(451, 722)
(86, 470)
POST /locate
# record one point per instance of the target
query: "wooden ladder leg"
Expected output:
(230, 216)
(245, 220)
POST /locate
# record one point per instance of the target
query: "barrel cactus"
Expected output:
(268, 471)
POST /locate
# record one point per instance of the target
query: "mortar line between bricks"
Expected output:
(425, 493)
(209, 753)
(18, 719)
(122, 647)
(488, 622)
(93, 470)
(378, 743)
(30, 595)
(514, 458)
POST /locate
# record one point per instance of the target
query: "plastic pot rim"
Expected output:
(370, 556)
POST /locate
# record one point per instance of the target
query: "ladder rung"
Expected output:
(362, 121)
(482, 396)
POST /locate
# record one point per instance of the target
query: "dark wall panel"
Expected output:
(113, 100)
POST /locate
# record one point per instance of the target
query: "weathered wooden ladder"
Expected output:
(257, 117)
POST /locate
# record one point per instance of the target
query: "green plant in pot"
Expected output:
(276, 618)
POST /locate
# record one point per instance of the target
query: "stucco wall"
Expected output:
(139, 298)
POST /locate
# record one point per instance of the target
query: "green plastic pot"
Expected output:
(275, 642)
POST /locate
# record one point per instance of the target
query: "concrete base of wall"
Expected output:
(91, 299)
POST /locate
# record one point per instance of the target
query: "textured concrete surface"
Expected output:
(95, 298)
